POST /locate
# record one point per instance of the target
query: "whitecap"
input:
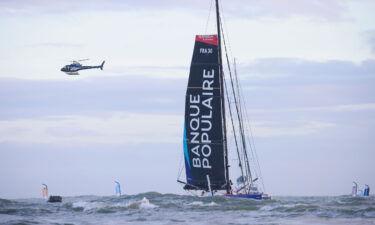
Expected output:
(79, 204)
(212, 204)
(267, 208)
(199, 203)
(196, 203)
(142, 204)
(145, 204)
(87, 206)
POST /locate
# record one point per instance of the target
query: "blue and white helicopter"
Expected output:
(76, 66)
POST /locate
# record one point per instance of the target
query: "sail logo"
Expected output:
(200, 122)
(206, 50)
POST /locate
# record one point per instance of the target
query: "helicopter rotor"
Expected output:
(79, 60)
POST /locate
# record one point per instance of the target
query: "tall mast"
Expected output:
(221, 74)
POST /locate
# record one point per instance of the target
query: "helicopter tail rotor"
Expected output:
(101, 66)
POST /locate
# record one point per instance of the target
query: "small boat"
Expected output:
(45, 191)
(205, 139)
(258, 196)
(54, 198)
(118, 188)
(354, 189)
(360, 193)
(366, 192)
(50, 198)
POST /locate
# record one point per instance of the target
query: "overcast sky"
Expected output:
(307, 70)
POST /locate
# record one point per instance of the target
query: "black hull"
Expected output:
(54, 199)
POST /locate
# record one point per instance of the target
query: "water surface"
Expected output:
(155, 208)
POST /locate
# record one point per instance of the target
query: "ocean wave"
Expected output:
(142, 204)
(201, 204)
(296, 208)
(20, 222)
(156, 208)
(5, 201)
(331, 208)
(88, 206)
(108, 207)
(19, 207)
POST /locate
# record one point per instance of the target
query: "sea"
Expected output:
(156, 208)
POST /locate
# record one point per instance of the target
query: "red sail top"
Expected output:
(208, 39)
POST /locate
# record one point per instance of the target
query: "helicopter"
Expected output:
(73, 68)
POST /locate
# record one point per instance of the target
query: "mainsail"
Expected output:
(118, 188)
(203, 143)
(45, 191)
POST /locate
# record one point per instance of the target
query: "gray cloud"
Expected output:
(33, 98)
(283, 80)
(57, 45)
(301, 71)
(288, 83)
(371, 40)
(333, 119)
(91, 169)
(320, 9)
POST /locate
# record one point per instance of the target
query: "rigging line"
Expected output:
(208, 18)
(240, 105)
(257, 162)
(225, 36)
(192, 193)
(254, 160)
(238, 94)
(233, 128)
(241, 112)
(250, 132)
(256, 154)
(251, 144)
(240, 118)
(247, 166)
(222, 100)
(226, 28)
(180, 169)
(252, 141)
(237, 110)
(238, 90)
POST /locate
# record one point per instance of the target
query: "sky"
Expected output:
(307, 70)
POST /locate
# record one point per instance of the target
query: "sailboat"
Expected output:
(205, 141)
(360, 193)
(50, 198)
(118, 188)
